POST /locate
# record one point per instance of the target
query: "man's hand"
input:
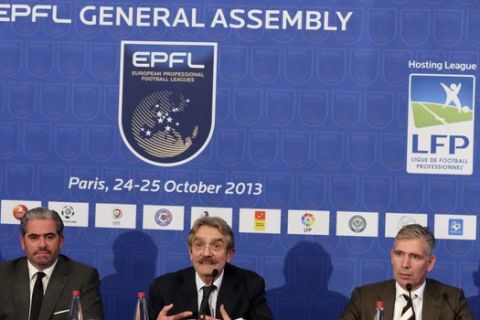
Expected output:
(163, 314)
(223, 312)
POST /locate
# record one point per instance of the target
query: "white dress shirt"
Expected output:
(32, 275)
(212, 300)
(417, 301)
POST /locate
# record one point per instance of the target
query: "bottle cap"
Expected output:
(379, 304)
(141, 295)
(76, 293)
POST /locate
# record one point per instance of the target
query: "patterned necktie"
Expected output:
(407, 311)
(207, 290)
(37, 297)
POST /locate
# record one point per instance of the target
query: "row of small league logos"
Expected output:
(251, 220)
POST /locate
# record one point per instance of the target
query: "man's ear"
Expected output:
(190, 252)
(22, 242)
(230, 254)
(431, 263)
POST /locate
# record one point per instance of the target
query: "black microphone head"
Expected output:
(214, 273)
(409, 287)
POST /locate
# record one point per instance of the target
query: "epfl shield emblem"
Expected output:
(167, 99)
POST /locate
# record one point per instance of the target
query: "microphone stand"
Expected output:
(455, 313)
(204, 304)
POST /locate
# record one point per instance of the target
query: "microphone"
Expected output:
(214, 275)
(455, 314)
(409, 289)
(204, 304)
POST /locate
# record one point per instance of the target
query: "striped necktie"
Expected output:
(407, 311)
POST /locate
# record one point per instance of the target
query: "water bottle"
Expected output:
(75, 307)
(141, 308)
(379, 312)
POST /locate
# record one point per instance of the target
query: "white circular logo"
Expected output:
(68, 212)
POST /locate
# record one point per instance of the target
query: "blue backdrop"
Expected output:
(313, 109)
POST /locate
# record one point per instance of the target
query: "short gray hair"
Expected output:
(417, 231)
(41, 213)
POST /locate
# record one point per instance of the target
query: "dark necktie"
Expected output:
(407, 311)
(205, 307)
(37, 297)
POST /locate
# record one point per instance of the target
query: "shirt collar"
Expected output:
(417, 293)
(32, 271)
(200, 284)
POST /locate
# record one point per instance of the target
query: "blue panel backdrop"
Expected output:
(311, 113)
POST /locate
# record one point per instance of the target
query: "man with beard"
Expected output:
(39, 286)
(212, 288)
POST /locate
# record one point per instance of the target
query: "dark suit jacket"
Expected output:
(242, 293)
(67, 276)
(440, 302)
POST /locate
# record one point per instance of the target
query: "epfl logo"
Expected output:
(167, 99)
(146, 59)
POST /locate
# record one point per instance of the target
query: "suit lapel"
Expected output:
(55, 288)
(387, 294)
(226, 295)
(21, 289)
(432, 301)
(188, 292)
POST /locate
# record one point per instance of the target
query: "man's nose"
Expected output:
(42, 242)
(207, 251)
(406, 262)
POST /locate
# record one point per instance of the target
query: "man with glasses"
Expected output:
(212, 288)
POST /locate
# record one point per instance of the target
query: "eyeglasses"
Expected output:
(200, 246)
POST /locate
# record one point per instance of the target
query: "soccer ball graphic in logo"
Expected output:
(403, 221)
(68, 212)
(161, 127)
(357, 223)
(455, 227)
(163, 217)
(308, 219)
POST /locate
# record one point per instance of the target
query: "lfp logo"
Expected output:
(167, 99)
(308, 221)
(441, 117)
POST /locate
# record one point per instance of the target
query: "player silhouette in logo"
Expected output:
(452, 95)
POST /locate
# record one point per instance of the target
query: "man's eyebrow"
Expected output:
(41, 234)
(416, 254)
(408, 253)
